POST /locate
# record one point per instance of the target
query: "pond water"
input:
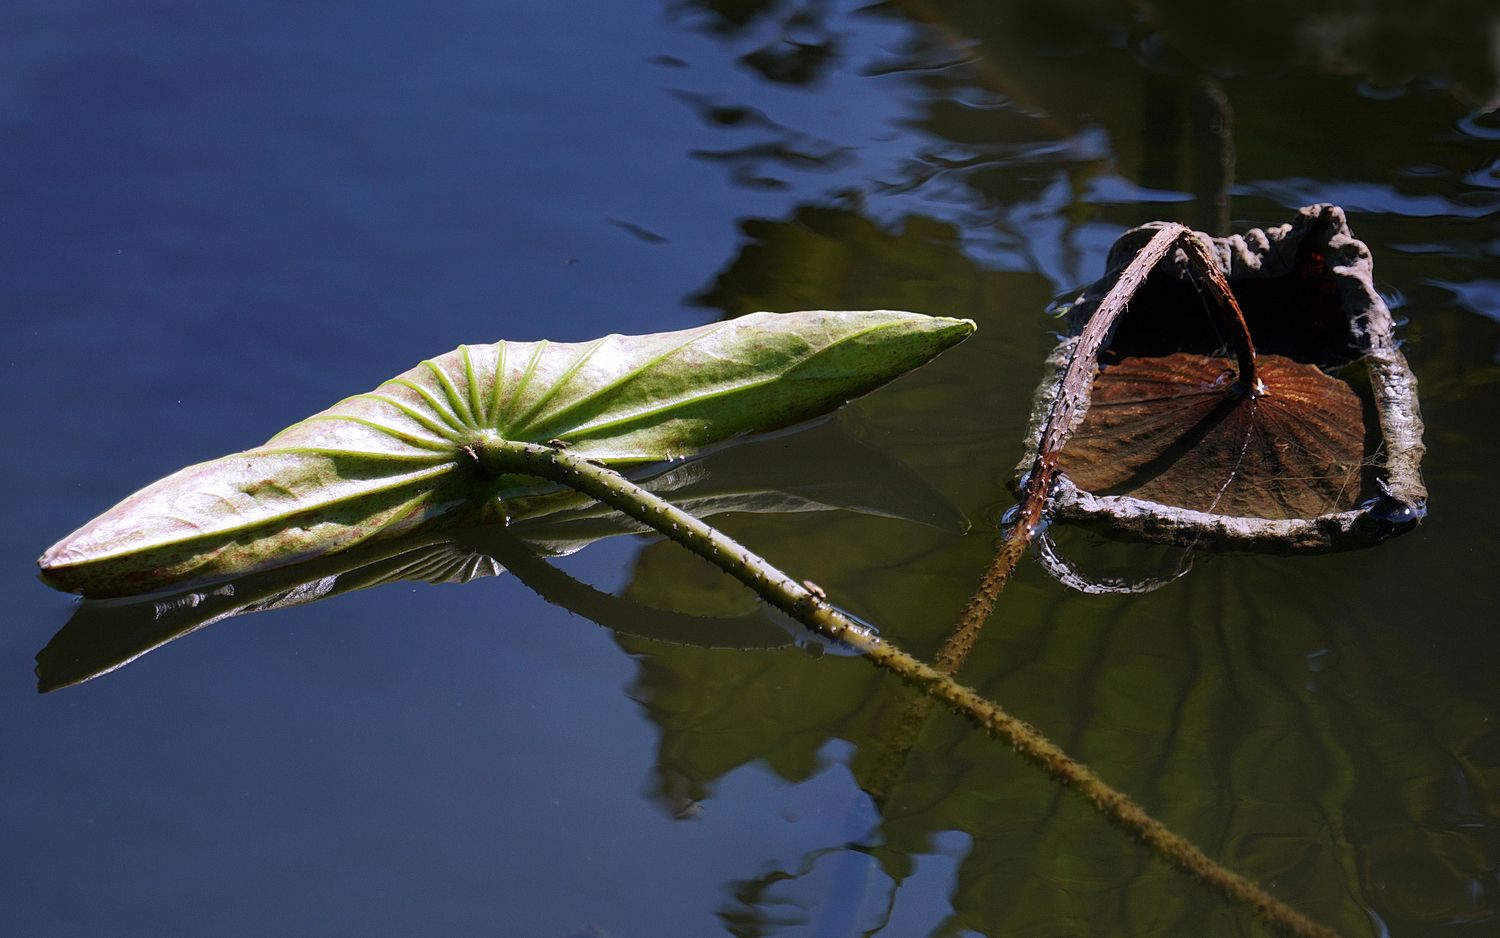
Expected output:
(221, 217)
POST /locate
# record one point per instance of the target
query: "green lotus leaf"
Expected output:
(386, 463)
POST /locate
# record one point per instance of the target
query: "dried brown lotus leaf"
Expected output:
(1171, 430)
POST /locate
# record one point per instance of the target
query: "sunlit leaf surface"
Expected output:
(1171, 430)
(383, 463)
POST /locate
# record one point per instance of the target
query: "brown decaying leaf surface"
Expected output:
(1170, 430)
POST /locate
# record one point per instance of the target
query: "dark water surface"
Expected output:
(217, 218)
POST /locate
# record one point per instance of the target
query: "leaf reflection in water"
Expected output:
(1200, 700)
(817, 468)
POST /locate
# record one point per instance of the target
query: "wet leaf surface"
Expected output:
(1171, 430)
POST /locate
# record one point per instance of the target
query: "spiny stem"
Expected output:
(1071, 401)
(501, 457)
(1231, 317)
(1075, 390)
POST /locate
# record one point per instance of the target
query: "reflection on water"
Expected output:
(1252, 704)
(1323, 724)
(812, 469)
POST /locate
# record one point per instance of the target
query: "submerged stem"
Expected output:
(1067, 409)
(1076, 391)
(497, 456)
(1072, 400)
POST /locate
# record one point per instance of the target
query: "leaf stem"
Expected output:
(500, 457)
(1067, 409)
(1076, 391)
(1231, 317)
